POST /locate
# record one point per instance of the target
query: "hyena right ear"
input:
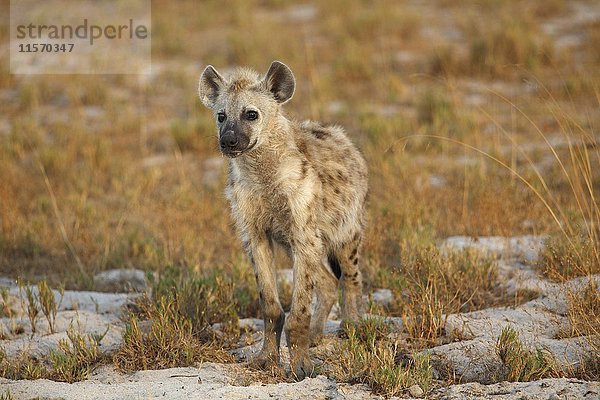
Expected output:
(209, 86)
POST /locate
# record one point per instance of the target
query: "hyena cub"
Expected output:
(298, 185)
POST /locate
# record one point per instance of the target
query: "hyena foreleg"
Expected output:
(307, 258)
(261, 255)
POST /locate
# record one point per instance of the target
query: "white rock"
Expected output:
(382, 296)
(522, 247)
(121, 280)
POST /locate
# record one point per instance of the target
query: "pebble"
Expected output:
(415, 391)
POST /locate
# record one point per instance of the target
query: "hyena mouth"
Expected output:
(237, 153)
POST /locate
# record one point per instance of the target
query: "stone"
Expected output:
(415, 391)
(121, 280)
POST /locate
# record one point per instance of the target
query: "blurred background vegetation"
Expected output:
(476, 118)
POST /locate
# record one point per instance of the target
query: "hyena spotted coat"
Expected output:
(298, 185)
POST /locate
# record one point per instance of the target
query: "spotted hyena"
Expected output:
(298, 185)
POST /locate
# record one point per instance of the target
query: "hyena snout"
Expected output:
(233, 142)
(229, 141)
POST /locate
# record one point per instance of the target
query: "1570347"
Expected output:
(45, 48)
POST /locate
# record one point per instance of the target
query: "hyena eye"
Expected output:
(251, 115)
(221, 117)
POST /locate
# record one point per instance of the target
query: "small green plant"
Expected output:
(204, 300)
(32, 306)
(370, 355)
(168, 342)
(75, 356)
(6, 396)
(22, 367)
(48, 304)
(521, 364)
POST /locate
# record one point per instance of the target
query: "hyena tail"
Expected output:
(335, 266)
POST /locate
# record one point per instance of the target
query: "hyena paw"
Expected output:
(264, 361)
(316, 337)
(302, 369)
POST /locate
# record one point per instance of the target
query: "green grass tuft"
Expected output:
(521, 364)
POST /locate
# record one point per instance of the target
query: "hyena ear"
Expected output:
(280, 81)
(209, 86)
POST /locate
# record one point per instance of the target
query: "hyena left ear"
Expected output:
(280, 81)
(209, 86)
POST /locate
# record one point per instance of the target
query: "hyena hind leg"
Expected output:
(326, 295)
(351, 281)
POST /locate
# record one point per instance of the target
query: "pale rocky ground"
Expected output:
(473, 356)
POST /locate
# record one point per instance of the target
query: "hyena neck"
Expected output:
(261, 163)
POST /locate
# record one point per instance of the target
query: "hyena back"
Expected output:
(298, 185)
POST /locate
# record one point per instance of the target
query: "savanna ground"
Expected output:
(476, 119)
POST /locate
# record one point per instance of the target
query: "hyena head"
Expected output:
(245, 104)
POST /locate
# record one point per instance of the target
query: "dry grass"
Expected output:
(430, 284)
(584, 321)
(564, 259)
(584, 312)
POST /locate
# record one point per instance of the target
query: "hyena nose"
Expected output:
(228, 140)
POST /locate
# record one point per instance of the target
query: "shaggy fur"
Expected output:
(298, 185)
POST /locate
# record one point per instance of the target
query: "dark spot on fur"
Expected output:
(302, 147)
(355, 262)
(303, 311)
(320, 133)
(336, 191)
(341, 176)
(354, 251)
(335, 266)
(304, 167)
